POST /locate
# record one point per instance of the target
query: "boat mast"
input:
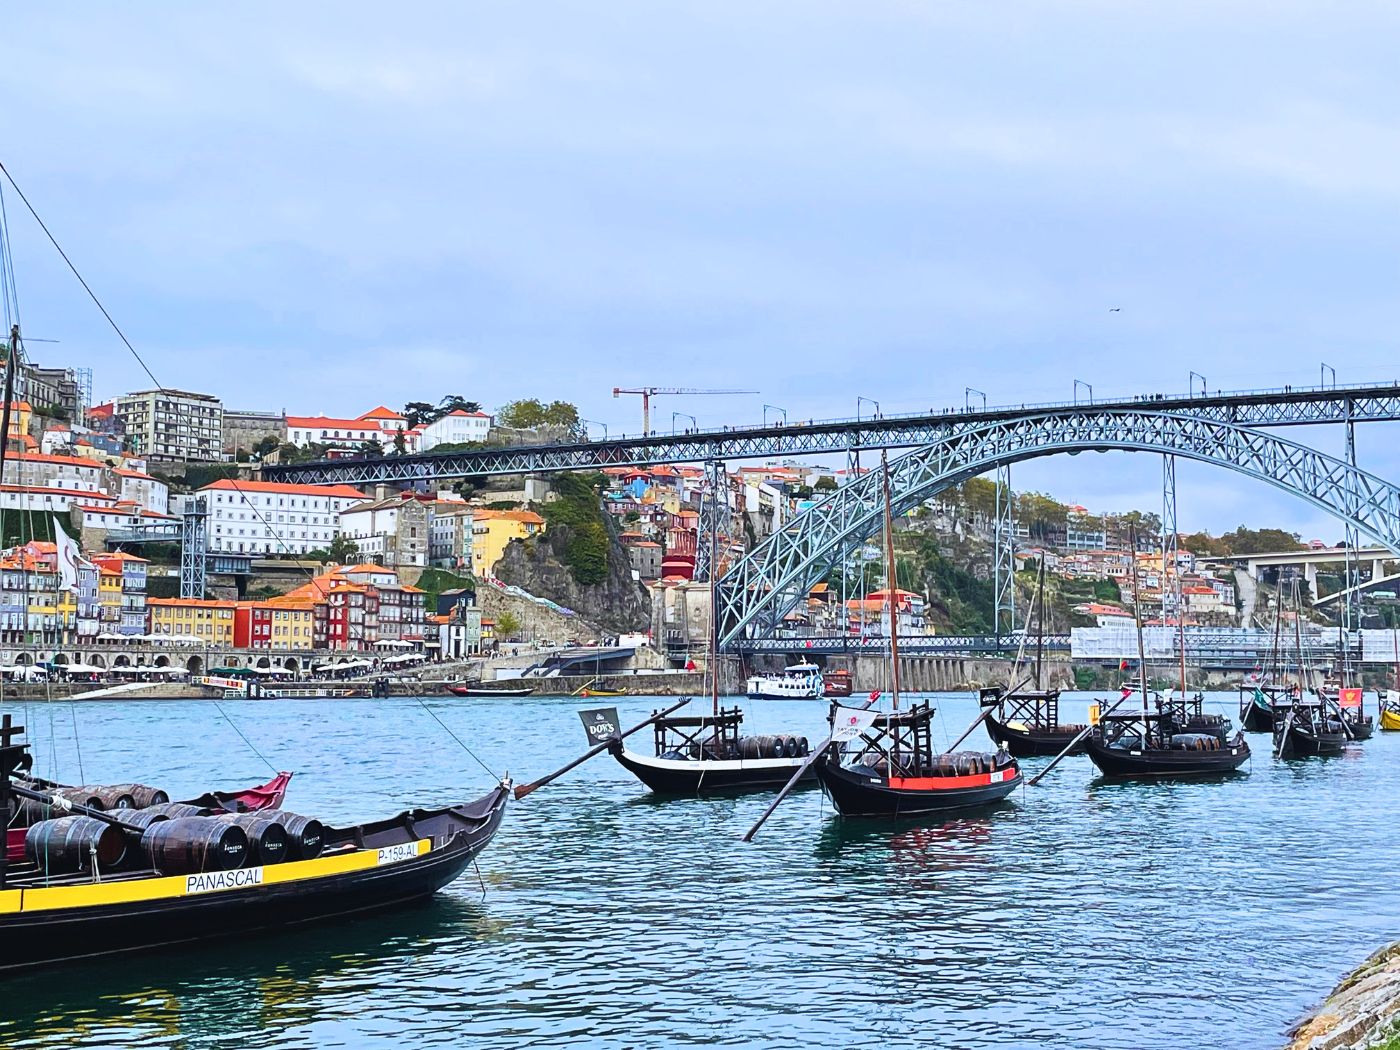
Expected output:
(1298, 637)
(716, 473)
(1040, 622)
(891, 578)
(1137, 622)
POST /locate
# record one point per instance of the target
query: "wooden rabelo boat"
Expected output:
(1174, 738)
(705, 755)
(487, 689)
(96, 884)
(1308, 726)
(1257, 705)
(892, 770)
(837, 683)
(1171, 737)
(888, 767)
(1026, 722)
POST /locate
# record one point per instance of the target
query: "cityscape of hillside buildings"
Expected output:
(105, 471)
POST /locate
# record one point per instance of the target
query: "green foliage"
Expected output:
(416, 412)
(531, 413)
(1242, 541)
(344, 550)
(1042, 515)
(196, 477)
(826, 483)
(267, 445)
(162, 586)
(969, 600)
(20, 528)
(508, 625)
(579, 515)
(372, 447)
(434, 581)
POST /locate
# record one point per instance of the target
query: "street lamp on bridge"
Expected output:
(683, 415)
(1087, 386)
(585, 422)
(967, 402)
(775, 408)
(1191, 382)
(872, 401)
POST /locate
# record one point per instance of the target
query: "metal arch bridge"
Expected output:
(1255, 408)
(778, 573)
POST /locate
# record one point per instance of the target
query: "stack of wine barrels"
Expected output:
(70, 845)
(774, 746)
(101, 797)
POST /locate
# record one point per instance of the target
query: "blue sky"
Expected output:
(324, 207)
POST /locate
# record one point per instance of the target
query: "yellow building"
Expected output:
(492, 531)
(293, 623)
(209, 621)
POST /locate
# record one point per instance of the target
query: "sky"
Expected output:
(324, 207)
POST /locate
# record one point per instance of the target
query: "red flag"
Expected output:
(874, 694)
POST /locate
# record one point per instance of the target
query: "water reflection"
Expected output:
(227, 993)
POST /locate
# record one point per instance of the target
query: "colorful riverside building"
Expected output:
(277, 623)
(110, 597)
(209, 621)
(121, 593)
(492, 531)
(362, 608)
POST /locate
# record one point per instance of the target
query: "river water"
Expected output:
(1080, 914)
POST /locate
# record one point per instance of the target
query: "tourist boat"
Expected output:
(1173, 739)
(98, 884)
(837, 683)
(893, 771)
(137, 796)
(801, 681)
(1307, 726)
(485, 689)
(1026, 722)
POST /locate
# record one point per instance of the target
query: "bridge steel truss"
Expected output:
(1357, 404)
(780, 572)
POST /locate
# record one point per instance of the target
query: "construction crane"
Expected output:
(648, 392)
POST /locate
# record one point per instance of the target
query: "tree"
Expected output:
(825, 483)
(400, 442)
(531, 413)
(344, 550)
(456, 403)
(373, 447)
(416, 412)
(268, 444)
(508, 625)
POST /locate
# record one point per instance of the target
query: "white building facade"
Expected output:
(456, 428)
(261, 517)
(173, 424)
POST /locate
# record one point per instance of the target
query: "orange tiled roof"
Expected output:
(528, 517)
(382, 412)
(330, 423)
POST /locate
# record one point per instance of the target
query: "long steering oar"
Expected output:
(64, 805)
(985, 712)
(597, 749)
(817, 753)
(1283, 737)
(1073, 743)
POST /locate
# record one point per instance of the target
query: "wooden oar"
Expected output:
(597, 749)
(1071, 745)
(817, 753)
(983, 716)
(1283, 737)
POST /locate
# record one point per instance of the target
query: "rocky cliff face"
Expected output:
(619, 603)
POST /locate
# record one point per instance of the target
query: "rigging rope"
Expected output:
(244, 737)
(455, 737)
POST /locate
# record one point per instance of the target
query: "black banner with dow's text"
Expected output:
(600, 723)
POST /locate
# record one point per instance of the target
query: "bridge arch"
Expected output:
(779, 572)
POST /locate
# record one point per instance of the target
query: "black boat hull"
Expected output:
(1124, 763)
(68, 934)
(1256, 719)
(1032, 744)
(1362, 730)
(712, 777)
(856, 795)
(1299, 743)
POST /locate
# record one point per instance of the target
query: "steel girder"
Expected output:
(778, 573)
(1270, 408)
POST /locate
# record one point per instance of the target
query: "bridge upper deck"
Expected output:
(1253, 408)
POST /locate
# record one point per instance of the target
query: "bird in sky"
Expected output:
(1115, 309)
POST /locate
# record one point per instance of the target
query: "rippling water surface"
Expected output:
(1081, 914)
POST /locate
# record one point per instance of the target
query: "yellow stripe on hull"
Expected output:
(163, 887)
(1390, 720)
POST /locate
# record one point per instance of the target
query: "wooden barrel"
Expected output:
(789, 746)
(803, 747)
(190, 845)
(81, 795)
(305, 835)
(111, 796)
(142, 795)
(66, 845)
(763, 746)
(179, 809)
(267, 839)
(142, 818)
